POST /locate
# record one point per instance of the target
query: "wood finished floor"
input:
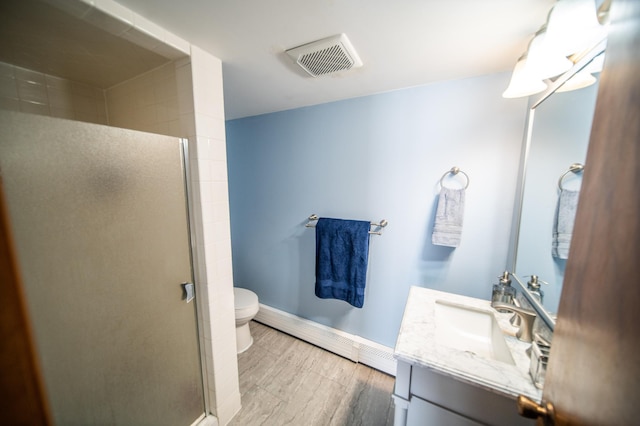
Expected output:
(286, 381)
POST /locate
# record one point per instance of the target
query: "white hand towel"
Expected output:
(448, 224)
(563, 226)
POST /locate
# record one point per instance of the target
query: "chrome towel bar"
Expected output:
(378, 226)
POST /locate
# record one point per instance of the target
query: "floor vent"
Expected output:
(326, 56)
(344, 344)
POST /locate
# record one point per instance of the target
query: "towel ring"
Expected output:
(574, 168)
(454, 171)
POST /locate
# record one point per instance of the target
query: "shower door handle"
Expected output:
(189, 291)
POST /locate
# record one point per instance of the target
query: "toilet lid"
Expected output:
(244, 298)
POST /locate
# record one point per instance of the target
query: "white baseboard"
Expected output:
(347, 345)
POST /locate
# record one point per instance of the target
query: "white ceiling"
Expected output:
(402, 43)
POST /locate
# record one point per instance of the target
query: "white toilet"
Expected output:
(246, 303)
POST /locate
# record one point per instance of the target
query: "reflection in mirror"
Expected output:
(559, 137)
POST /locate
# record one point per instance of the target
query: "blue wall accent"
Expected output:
(372, 158)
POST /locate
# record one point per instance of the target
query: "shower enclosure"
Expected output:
(101, 228)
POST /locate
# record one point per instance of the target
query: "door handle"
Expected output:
(189, 291)
(532, 410)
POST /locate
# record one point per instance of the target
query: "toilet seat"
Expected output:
(246, 302)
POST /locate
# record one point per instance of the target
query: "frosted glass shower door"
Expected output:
(100, 223)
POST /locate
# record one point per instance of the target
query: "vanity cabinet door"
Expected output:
(470, 402)
(422, 412)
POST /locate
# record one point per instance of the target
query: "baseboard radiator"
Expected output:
(349, 346)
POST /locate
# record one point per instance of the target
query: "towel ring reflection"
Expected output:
(454, 171)
(574, 168)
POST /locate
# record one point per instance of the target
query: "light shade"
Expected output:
(596, 64)
(573, 26)
(584, 77)
(545, 60)
(523, 83)
(579, 80)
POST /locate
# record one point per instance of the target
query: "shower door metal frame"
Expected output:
(204, 367)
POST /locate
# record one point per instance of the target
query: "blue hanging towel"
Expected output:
(342, 252)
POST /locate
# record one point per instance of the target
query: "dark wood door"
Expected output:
(594, 370)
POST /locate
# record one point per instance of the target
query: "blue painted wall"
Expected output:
(372, 158)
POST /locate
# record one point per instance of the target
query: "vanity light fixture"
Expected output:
(523, 82)
(580, 80)
(584, 77)
(544, 60)
(572, 27)
(596, 65)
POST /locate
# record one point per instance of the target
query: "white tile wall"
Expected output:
(43, 94)
(210, 188)
(147, 103)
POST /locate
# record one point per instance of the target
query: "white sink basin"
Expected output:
(470, 329)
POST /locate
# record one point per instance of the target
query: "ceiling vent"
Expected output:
(326, 56)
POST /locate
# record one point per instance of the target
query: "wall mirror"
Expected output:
(558, 131)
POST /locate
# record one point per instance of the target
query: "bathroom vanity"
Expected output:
(459, 363)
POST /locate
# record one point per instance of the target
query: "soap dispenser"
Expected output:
(503, 292)
(534, 288)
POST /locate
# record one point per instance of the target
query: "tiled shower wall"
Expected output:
(148, 102)
(38, 93)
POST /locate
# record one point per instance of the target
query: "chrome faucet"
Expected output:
(516, 320)
(527, 317)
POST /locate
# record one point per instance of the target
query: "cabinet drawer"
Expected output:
(469, 401)
(422, 413)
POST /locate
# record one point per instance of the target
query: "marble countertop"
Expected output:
(416, 345)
